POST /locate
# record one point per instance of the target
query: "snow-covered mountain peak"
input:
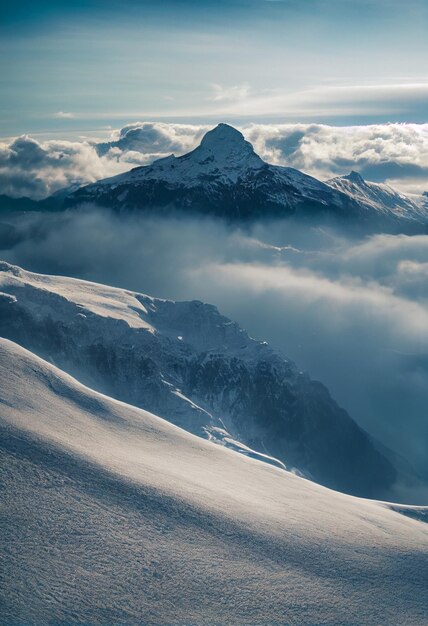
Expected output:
(225, 139)
(381, 197)
(354, 177)
(223, 176)
(223, 149)
(223, 153)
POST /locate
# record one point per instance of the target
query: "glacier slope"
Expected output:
(113, 515)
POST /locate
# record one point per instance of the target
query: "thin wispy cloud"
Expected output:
(234, 93)
(316, 103)
(330, 100)
(64, 115)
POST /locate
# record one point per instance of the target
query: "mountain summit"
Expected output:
(227, 143)
(354, 177)
(223, 154)
(225, 148)
(224, 134)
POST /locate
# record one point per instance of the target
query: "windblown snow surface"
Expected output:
(111, 515)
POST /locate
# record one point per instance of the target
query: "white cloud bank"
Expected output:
(38, 169)
(393, 153)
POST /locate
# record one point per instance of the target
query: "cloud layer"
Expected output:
(394, 153)
(39, 169)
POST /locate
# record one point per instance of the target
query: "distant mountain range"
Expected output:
(224, 177)
(187, 363)
(381, 198)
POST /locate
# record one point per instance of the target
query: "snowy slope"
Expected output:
(189, 364)
(380, 197)
(113, 515)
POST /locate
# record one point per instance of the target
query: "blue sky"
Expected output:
(71, 66)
